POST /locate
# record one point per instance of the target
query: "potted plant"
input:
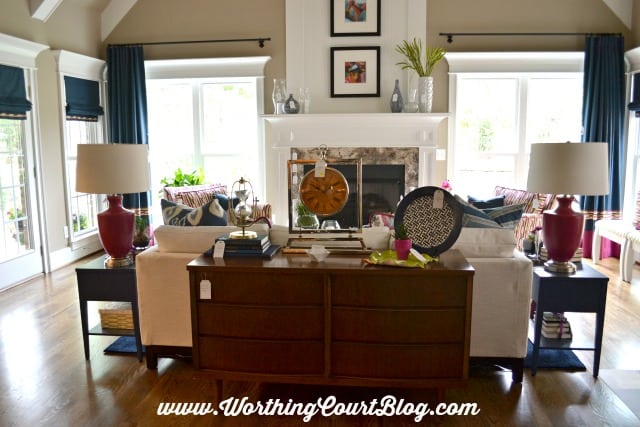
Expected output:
(412, 51)
(182, 179)
(306, 218)
(402, 241)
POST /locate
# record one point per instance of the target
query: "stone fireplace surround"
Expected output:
(383, 138)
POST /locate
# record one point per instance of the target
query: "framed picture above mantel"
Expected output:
(355, 71)
(355, 18)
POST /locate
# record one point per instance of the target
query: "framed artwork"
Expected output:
(355, 71)
(355, 18)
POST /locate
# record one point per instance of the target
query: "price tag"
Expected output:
(394, 97)
(320, 168)
(218, 250)
(438, 199)
(205, 289)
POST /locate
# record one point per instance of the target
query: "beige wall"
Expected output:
(515, 16)
(636, 23)
(170, 20)
(75, 27)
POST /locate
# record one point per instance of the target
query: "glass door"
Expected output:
(20, 255)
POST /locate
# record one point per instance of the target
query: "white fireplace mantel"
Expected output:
(383, 130)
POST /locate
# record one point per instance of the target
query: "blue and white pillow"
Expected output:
(178, 214)
(507, 216)
(493, 202)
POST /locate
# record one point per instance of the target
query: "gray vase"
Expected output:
(396, 103)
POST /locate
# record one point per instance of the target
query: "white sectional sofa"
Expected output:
(501, 291)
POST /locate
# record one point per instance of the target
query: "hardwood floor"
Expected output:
(44, 379)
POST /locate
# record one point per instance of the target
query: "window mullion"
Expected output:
(522, 156)
(198, 123)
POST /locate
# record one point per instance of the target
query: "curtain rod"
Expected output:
(260, 41)
(451, 35)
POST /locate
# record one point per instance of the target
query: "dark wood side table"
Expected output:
(99, 283)
(582, 292)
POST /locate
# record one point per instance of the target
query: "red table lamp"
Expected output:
(566, 169)
(114, 169)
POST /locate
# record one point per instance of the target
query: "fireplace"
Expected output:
(387, 175)
(407, 140)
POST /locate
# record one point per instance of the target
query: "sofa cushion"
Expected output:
(210, 213)
(172, 238)
(494, 202)
(486, 242)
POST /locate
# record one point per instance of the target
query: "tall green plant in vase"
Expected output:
(422, 64)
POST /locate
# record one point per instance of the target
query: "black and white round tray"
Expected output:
(433, 226)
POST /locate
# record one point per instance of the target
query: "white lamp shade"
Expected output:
(112, 168)
(569, 168)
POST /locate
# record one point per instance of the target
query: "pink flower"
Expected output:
(446, 185)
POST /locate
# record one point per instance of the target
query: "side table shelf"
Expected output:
(582, 292)
(99, 283)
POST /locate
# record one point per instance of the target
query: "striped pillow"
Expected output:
(507, 216)
(512, 196)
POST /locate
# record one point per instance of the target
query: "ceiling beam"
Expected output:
(113, 14)
(43, 9)
(623, 10)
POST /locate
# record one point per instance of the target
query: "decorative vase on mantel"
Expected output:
(279, 95)
(425, 94)
(396, 103)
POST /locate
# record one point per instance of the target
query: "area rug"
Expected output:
(125, 344)
(554, 359)
(625, 384)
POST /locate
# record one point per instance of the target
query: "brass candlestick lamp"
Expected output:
(240, 215)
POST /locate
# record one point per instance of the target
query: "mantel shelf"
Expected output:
(437, 117)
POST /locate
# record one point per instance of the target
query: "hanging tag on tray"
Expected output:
(438, 199)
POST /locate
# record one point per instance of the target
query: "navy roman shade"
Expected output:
(83, 99)
(13, 95)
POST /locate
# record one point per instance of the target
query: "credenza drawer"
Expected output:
(387, 290)
(282, 289)
(262, 356)
(397, 361)
(398, 325)
(266, 322)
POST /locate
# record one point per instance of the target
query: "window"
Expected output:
(13, 195)
(83, 208)
(207, 121)
(81, 94)
(498, 115)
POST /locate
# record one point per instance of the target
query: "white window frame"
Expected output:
(84, 67)
(220, 68)
(506, 64)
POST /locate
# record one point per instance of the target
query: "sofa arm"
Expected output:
(164, 303)
(501, 303)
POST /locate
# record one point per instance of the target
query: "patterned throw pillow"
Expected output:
(501, 217)
(208, 214)
(494, 202)
(507, 216)
(473, 217)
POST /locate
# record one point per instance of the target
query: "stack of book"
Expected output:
(259, 247)
(555, 326)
